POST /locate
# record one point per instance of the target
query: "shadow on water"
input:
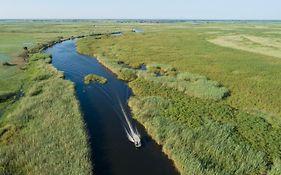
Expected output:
(112, 152)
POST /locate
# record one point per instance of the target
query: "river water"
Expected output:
(112, 152)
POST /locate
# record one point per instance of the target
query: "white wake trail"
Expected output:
(132, 133)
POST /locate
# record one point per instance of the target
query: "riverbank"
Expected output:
(202, 136)
(44, 132)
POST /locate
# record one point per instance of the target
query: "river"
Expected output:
(112, 152)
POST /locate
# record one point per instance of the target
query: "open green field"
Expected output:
(216, 110)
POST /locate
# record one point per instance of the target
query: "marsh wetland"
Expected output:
(203, 96)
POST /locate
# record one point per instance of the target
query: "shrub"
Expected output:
(39, 56)
(96, 78)
(190, 84)
(127, 74)
(136, 65)
(161, 69)
(119, 68)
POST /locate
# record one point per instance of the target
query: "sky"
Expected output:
(142, 9)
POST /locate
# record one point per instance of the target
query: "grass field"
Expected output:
(187, 48)
(18, 34)
(41, 134)
(238, 134)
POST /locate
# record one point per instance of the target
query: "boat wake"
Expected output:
(132, 132)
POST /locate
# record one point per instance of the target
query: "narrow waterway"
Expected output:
(112, 152)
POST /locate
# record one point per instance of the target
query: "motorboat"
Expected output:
(137, 140)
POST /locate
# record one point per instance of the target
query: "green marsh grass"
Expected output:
(190, 84)
(203, 137)
(252, 78)
(238, 135)
(44, 132)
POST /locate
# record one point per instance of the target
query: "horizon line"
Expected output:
(160, 19)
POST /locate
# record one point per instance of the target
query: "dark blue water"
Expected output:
(112, 153)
